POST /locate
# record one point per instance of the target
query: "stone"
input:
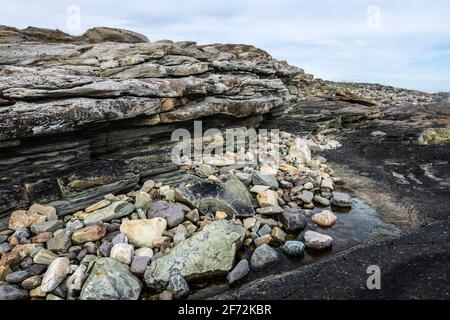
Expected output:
(166, 295)
(278, 235)
(38, 293)
(293, 219)
(293, 248)
(205, 170)
(26, 262)
(317, 241)
(17, 276)
(181, 234)
(110, 279)
(148, 185)
(115, 210)
(265, 239)
(220, 215)
(178, 286)
(139, 264)
(240, 271)
(55, 274)
(12, 292)
(143, 252)
(193, 216)
(51, 296)
(326, 183)
(268, 198)
(44, 256)
(172, 213)
(122, 252)
(37, 269)
(340, 199)
(263, 257)
(142, 233)
(31, 282)
(308, 186)
(89, 233)
(48, 211)
(24, 219)
(249, 223)
(42, 237)
(47, 226)
(143, 200)
(269, 210)
(167, 193)
(325, 218)
(265, 229)
(245, 178)
(306, 196)
(105, 248)
(322, 201)
(60, 242)
(265, 180)
(230, 196)
(299, 152)
(24, 249)
(76, 280)
(259, 188)
(209, 252)
(119, 238)
(74, 225)
(288, 168)
(5, 248)
(99, 205)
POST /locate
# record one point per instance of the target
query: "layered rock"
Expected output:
(86, 116)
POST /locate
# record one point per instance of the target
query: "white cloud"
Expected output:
(327, 38)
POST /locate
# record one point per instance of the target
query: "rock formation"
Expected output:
(85, 116)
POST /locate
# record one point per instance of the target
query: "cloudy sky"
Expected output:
(404, 43)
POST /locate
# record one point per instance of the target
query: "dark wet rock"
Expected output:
(230, 196)
(12, 292)
(293, 248)
(111, 280)
(264, 179)
(263, 257)
(239, 272)
(166, 210)
(37, 269)
(293, 219)
(341, 200)
(178, 286)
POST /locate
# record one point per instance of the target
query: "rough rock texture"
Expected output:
(111, 280)
(209, 252)
(83, 116)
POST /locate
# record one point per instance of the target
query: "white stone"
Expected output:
(122, 252)
(142, 232)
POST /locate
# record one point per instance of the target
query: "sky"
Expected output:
(404, 43)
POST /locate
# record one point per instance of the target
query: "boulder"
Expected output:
(230, 196)
(110, 279)
(209, 252)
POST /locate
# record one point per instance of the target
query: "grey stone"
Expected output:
(114, 211)
(5, 248)
(111, 280)
(120, 238)
(26, 262)
(293, 219)
(12, 292)
(37, 269)
(322, 201)
(17, 277)
(306, 196)
(263, 257)
(293, 248)
(245, 178)
(240, 271)
(178, 286)
(60, 242)
(269, 210)
(341, 200)
(105, 248)
(166, 210)
(139, 264)
(47, 226)
(265, 229)
(317, 241)
(265, 180)
(55, 274)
